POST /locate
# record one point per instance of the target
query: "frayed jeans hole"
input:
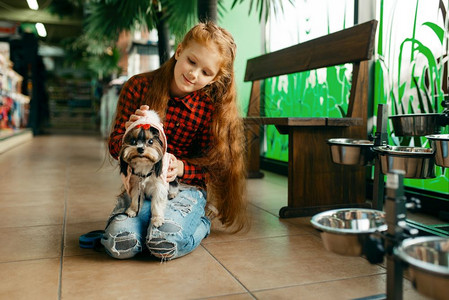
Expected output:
(123, 234)
(161, 248)
(155, 240)
(168, 227)
(191, 199)
(126, 241)
(125, 245)
(184, 209)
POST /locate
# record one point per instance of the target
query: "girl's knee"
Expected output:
(163, 242)
(122, 238)
(162, 248)
(122, 245)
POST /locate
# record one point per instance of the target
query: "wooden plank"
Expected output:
(286, 121)
(252, 133)
(254, 99)
(345, 122)
(303, 122)
(346, 46)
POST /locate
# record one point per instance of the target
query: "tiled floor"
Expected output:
(54, 188)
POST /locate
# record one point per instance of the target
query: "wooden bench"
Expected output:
(315, 183)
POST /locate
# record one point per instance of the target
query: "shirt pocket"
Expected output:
(183, 131)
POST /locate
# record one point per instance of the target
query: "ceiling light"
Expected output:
(41, 30)
(32, 4)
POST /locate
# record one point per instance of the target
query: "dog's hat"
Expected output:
(151, 119)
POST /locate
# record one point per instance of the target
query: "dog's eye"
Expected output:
(150, 141)
(133, 142)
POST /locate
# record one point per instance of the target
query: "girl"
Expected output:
(194, 93)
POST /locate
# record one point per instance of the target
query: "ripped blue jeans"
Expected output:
(184, 228)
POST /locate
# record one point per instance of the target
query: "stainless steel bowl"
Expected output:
(428, 258)
(415, 125)
(351, 151)
(344, 231)
(440, 143)
(416, 162)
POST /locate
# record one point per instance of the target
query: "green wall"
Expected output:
(246, 30)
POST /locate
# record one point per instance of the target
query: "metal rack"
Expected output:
(376, 242)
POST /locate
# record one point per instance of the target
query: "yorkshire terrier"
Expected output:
(143, 167)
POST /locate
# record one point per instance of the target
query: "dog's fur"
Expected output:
(142, 159)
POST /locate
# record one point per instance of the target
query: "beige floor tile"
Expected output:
(339, 289)
(245, 296)
(24, 197)
(32, 279)
(262, 225)
(288, 260)
(93, 194)
(196, 275)
(32, 215)
(269, 193)
(304, 223)
(32, 208)
(24, 243)
(86, 212)
(53, 176)
(95, 179)
(31, 182)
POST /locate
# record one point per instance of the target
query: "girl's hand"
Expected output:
(175, 168)
(137, 115)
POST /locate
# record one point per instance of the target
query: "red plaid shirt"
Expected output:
(187, 123)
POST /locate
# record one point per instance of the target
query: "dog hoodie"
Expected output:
(151, 119)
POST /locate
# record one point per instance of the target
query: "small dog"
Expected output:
(143, 167)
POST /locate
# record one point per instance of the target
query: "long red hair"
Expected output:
(224, 161)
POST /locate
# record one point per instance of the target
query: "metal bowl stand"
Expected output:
(383, 244)
(380, 139)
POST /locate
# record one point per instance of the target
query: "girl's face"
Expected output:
(196, 66)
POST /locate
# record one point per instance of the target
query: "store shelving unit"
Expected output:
(14, 106)
(71, 106)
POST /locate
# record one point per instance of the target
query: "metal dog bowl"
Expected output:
(415, 125)
(351, 151)
(344, 231)
(416, 162)
(440, 143)
(428, 258)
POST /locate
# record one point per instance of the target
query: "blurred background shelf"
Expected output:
(10, 138)
(72, 108)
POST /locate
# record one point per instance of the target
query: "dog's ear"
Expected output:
(123, 165)
(158, 168)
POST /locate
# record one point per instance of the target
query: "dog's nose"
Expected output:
(140, 150)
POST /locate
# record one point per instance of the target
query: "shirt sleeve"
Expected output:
(129, 100)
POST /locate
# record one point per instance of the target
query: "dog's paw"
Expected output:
(131, 213)
(157, 221)
(172, 195)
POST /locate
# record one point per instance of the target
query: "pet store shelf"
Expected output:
(72, 108)
(11, 138)
(14, 106)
